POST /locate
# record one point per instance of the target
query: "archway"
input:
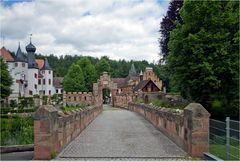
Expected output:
(105, 82)
(107, 96)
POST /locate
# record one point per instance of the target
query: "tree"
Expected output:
(102, 66)
(204, 55)
(167, 25)
(6, 79)
(89, 72)
(74, 80)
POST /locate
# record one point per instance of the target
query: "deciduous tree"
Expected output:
(204, 55)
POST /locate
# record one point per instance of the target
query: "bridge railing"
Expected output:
(53, 129)
(187, 128)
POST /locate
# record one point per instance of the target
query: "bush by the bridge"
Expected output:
(72, 107)
(16, 130)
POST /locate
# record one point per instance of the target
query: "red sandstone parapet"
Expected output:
(187, 128)
(53, 129)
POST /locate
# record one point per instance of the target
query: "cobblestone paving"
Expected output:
(122, 159)
(118, 133)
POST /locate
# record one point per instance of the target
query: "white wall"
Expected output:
(32, 81)
(48, 75)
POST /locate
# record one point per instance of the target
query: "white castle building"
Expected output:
(30, 76)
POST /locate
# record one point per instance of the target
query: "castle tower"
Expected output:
(32, 70)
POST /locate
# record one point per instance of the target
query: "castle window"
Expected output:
(39, 81)
(23, 64)
(56, 90)
(44, 82)
(43, 72)
(49, 72)
(30, 92)
(16, 64)
(35, 86)
(75, 98)
(43, 92)
(85, 98)
(49, 81)
(35, 75)
(49, 92)
(149, 73)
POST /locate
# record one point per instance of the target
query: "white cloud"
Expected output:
(120, 29)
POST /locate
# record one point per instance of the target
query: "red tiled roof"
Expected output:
(57, 82)
(40, 63)
(6, 55)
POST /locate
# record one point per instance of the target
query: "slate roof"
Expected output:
(46, 65)
(132, 71)
(6, 55)
(141, 85)
(20, 56)
(121, 82)
(30, 48)
(57, 82)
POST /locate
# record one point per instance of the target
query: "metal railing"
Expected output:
(224, 139)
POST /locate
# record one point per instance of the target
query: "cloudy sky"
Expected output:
(119, 29)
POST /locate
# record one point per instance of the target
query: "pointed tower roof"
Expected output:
(141, 73)
(20, 56)
(132, 71)
(46, 65)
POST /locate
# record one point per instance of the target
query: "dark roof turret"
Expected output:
(20, 56)
(46, 65)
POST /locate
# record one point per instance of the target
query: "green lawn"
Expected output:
(219, 150)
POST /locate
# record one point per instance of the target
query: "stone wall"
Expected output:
(77, 98)
(122, 100)
(53, 129)
(187, 128)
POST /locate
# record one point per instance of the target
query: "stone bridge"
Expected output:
(137, 132)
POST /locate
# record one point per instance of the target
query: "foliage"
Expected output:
(102, 66)
(167, 24)
(204, 54)
(25, 102)
(169, 104)
(139, 101)
(45, 100)
(13, 103)
(6, 79)
(57, 98)
(16, 110)
(16, 131)
(72, 107)
(74, 80)
(89, 72)
(53, 154)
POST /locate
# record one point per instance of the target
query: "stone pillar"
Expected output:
(45, 132)
(196, 123)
